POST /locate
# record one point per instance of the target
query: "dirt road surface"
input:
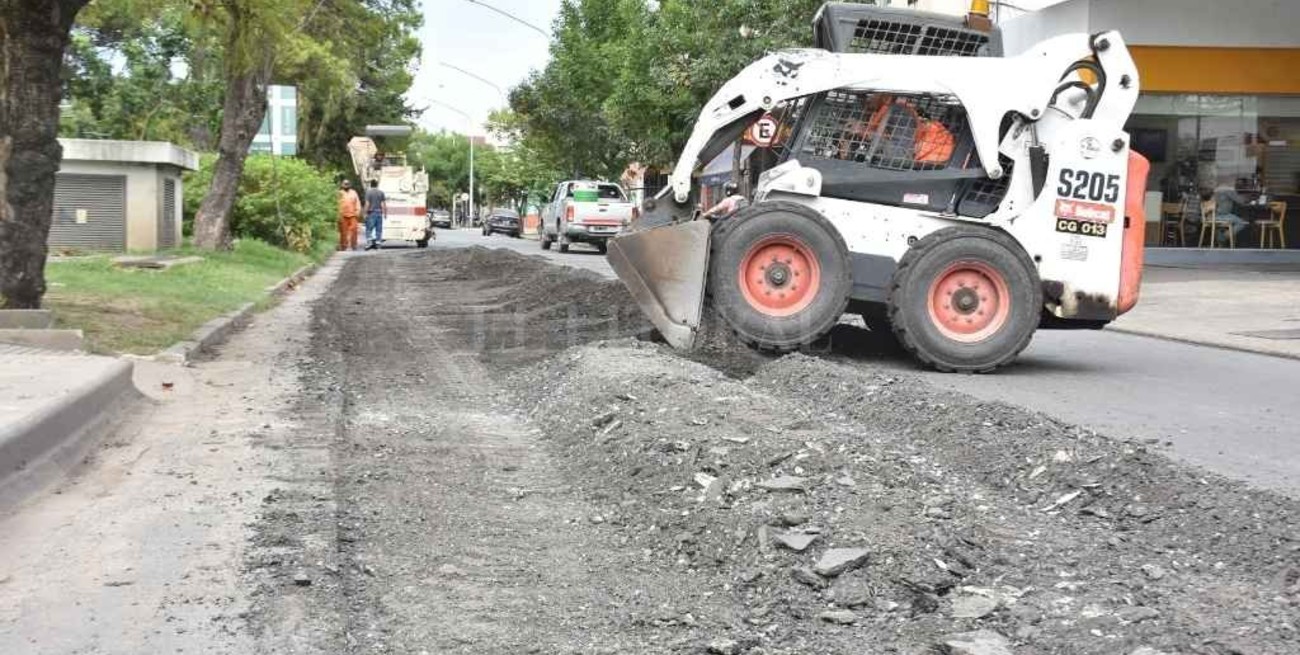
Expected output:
(142, 549)
(469, 451)
(1232, 413)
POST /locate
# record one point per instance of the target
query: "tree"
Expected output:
(138, 70)
(285, 40)
(254, 32)
(33, 37)
(380, 39)
(151, 69)
(525, 173)
(445, 156)
(627, 78)
(561, 107)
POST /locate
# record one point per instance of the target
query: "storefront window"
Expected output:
(1233, 161)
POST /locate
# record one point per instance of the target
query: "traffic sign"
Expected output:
(763, 132)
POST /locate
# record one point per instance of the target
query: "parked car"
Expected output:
(440, 218)
(585, 211)
(505, 221)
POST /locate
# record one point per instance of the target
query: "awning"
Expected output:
(719, 170)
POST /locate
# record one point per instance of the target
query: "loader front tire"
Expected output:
(965, 299)
(779, 275)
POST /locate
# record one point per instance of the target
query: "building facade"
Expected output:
(1219, 110)
(279, 132)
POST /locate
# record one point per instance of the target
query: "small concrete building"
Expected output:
(119, 195)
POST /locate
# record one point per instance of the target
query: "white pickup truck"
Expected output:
(585, 211)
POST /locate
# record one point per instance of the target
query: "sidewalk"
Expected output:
(1244, 308)
(51, 404)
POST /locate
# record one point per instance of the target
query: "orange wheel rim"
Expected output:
(779, 275)
(969, 301)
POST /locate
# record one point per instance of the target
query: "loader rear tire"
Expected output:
(779, 275)
(965, 299)
(545, 240)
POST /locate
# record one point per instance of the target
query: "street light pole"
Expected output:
(471, 174)
(469, 136)
(480, 78)
(511, 17)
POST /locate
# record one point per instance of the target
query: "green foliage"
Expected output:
(377, 38)
(501, 177)
(445, 157)
(525, 173)
(152, 79)
(627, 78)
(156, 69)
(283, 201)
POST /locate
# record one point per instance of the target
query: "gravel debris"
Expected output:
(949, 494)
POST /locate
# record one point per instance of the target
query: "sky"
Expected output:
(487, 44)
(483, 42)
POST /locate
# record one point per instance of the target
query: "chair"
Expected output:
(1173, 224)
(1273, 226)
(1210, 225)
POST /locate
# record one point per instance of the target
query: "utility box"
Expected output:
(119, 195)
(851, 27)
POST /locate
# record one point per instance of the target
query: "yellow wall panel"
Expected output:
(1172, 69)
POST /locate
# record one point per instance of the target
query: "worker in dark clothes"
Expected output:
(376, 211)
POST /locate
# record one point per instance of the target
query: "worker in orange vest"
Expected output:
(349, 216)
(909, 139)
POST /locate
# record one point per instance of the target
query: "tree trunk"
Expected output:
(241, 117)
(33, 35)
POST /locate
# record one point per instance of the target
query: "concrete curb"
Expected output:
(41, 448)
(219, 329)
(1195, 342)
(290, 283)
(47, 339)
(26, 319)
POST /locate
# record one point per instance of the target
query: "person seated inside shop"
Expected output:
(1226, 201)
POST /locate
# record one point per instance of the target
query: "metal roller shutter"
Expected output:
(89, 212)
(167, 217)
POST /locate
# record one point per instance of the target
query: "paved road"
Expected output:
(1233, 413)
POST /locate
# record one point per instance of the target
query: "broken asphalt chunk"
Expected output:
(796, 541)
(973, 606)
(979, 642)
(805, 576)
(842, 617)
(839, 560)
(785, 483)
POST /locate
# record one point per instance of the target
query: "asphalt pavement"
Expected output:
(1232, 413)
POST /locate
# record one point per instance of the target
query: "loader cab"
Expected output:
(895, 149)
(889, 148)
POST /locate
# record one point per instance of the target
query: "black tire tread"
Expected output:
(724, 227)
(909, 260)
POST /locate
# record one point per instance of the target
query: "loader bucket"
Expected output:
(664, 269)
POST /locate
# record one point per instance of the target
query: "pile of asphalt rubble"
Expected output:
(846, 508)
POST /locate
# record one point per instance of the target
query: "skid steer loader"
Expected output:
(958, 198)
